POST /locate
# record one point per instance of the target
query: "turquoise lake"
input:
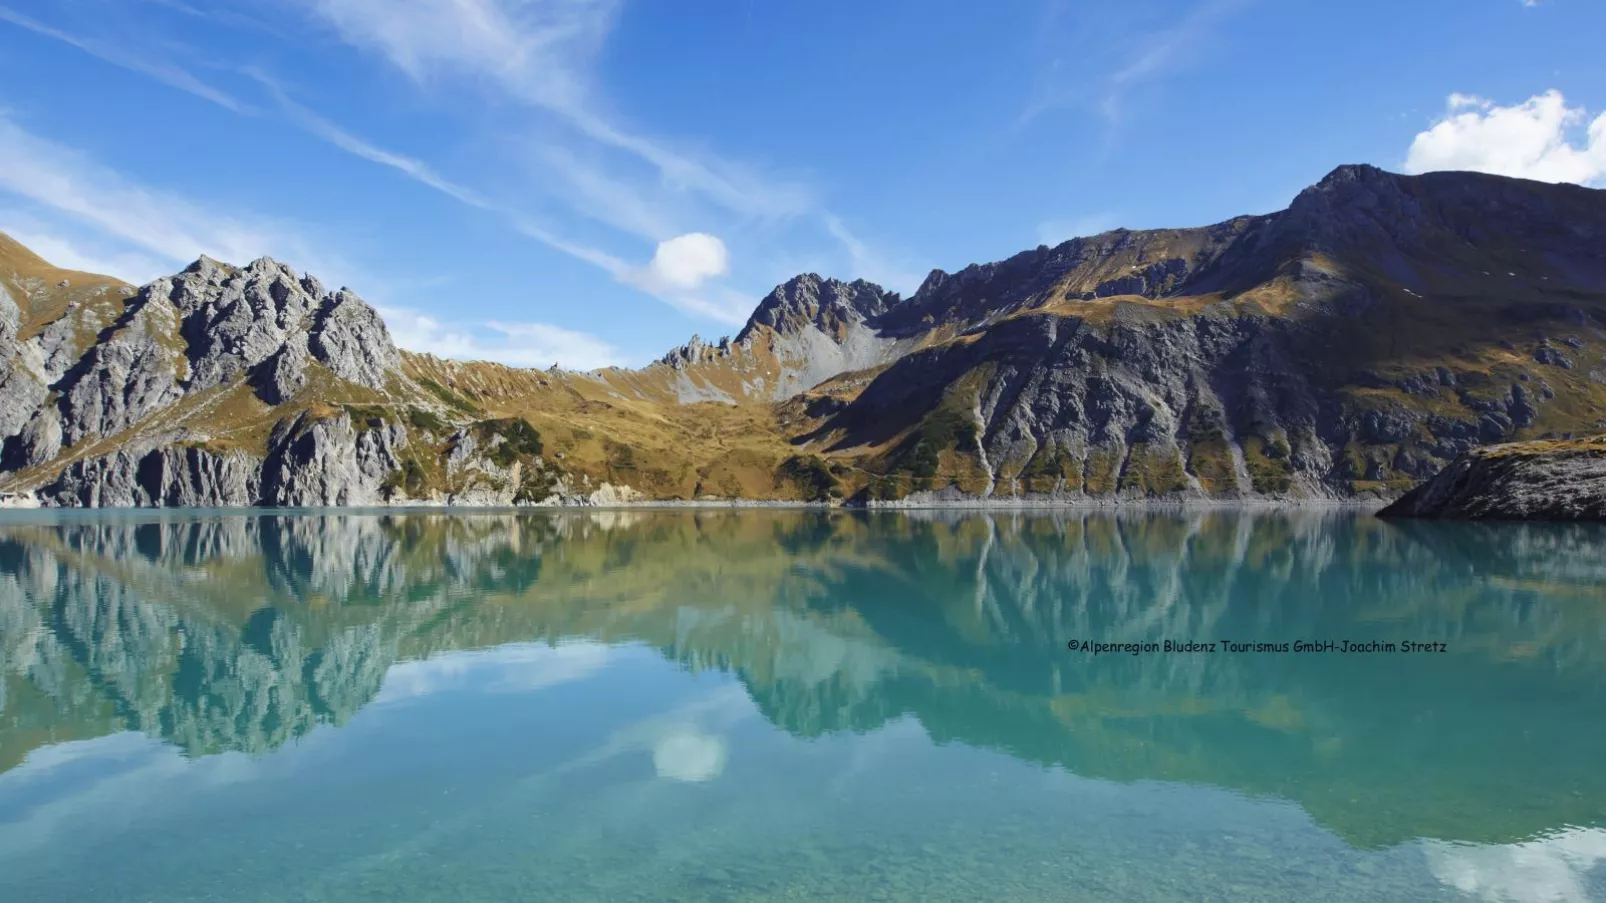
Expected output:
(798, 705)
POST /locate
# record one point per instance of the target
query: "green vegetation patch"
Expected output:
(1101, 471)
(811, 476)
(367, 418)
(410, 479)
(519, 439)
(920, 452)
(535, 485)
(885, 489)
(620, 458)
(1153, 471)
(1210, 451)
(452, 399)
(1267, 462)
(1048, 467)
(426, 420)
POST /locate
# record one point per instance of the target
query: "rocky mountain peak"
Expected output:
(202, 264)
(829, 305)
(1351, 187)
(207, 327)
(696, 351)
(1353, 173)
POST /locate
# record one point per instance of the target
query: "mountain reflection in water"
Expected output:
(245, 632)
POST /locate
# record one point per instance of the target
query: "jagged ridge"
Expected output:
(1347, 347)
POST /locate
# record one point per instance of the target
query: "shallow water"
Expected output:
(791, 705)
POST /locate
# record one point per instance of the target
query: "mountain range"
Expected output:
(1345, 348)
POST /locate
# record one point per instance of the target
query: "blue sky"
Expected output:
(590, 182)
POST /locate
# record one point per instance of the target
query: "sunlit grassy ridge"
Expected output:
(1344, 348)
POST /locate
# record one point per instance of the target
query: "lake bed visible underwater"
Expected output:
(764, 705)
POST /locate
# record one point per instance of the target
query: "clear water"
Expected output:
(768, 705)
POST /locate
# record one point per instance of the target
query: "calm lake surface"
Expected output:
(790, 705)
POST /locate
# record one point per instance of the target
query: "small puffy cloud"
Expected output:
(1541, 138)
(680, 272)
(686, 261)
(1554, 869)
(684, 753)
(515, 344)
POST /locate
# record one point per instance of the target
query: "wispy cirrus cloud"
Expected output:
(539, 54)
(1128, 55)
(156, 68)
(648, 278)
(590, 189)
(517, 344)
(318, 126)
(73, 184)
(868, 263)
(169, 230)
(60, 247)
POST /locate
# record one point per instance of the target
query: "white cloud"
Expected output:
(515, 344)
(515, 668)
(133, 268)
(150, 65)
(687, 261)
(669, 276)
(411, 167)
(1537, 139)
(163, 224)
(1549, 870)
(684, 753)
(538, 52)
(866, 263)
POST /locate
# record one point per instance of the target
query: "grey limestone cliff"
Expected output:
(212, 388)
(1345, 348)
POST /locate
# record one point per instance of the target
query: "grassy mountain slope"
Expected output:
(1349, 346)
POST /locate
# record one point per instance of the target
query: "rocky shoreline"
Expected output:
(1547, 480)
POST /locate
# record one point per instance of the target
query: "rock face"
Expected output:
(809, 329)
(1347, 347)
(1552, 481)
(183, 343)
(171, 475)
(225, 386)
